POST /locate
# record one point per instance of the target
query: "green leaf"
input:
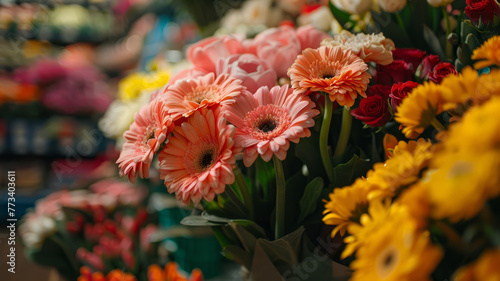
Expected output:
(346, 174)
(433, 42)
(51, 254)
(342, 17)
(238, 255)
(246, 238)
(309, 200)
(252, 227)
(265, 176)
(198, 221)
(382, 22)
(307, 150)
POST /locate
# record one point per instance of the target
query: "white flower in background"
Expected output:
(353, 6)
(253, 17)
(369, 47)
(120, 115)
(292, 7)
(392, 6)
(320, 18)
(439, 3)
(35, 229)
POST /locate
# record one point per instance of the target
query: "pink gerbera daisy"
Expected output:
(198, 160)
(150, 129)
(337, 72)
(267, 121)
(188, 95)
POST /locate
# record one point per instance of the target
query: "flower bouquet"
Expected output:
(308, 153)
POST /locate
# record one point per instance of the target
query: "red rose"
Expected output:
(378, 89)
(373, 111)
(400, 91)
(427, 66)
(397, 71)
(481, 9)
(440, 71)
(413, 57)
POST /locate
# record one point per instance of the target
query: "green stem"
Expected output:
(245, 192)
(323, 138)
(449, 47)
(437, 125)
(345, 132)
(280, 198)
(400, 22)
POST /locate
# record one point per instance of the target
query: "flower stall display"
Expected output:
(360, 149)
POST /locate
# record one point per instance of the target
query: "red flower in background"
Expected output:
(374, 111)
(441, 70)
(481, 9)
(380, 90)
(413, 57)
(399, 91)
(427, 66)
(397, 71)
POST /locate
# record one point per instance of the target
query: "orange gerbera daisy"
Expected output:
(267, 121)
(333, 70)
(198, 160)
(186, 96)
(152, 124)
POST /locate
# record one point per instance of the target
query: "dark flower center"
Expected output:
(388, 259)
(206, 159)
(328, 76)
(267, 125)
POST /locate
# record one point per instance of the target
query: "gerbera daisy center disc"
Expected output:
(200, 156)
(199, 95)
(266, 122)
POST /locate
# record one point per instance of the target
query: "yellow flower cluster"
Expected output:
(132, 86)
(466, 166)
(455, 94)
(391, 245)
(347, 205)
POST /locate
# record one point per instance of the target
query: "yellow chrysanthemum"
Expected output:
(397, 250)
(403, 169)
(478, 132)
(461, 88)
(346, 206)
(484, 269)
(377, 215)
(416, 200)
(461, 183)
(131, 86)
(419, 108)
(489, 52)
(487, 87)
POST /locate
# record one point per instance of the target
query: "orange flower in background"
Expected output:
(188, 95)
(483, 269)
(198, 160)
(268, 121)
(333, 70)
(150, 129)
(155, 273)
(488, 53)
